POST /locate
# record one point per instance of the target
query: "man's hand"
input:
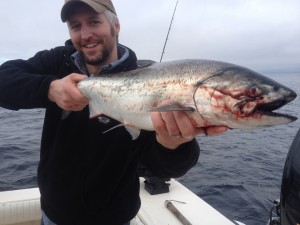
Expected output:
(175, 128)
(65, 93)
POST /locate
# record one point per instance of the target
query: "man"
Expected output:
(290, 186)
(84, 176)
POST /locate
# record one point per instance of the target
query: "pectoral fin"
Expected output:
(173, 107)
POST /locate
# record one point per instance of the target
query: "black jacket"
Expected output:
(86, 177)
(290, 186)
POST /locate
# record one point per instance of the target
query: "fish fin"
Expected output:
(65, 114)
(133, 131)
(119, 125)
(173, 107)
(94, 112)
(145, 63)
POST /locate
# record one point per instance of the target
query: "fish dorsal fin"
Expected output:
(144, 63)
(173, 107)
(133, 131)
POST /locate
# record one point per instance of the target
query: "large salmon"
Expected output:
(211, 92)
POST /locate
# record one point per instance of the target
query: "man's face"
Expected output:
(93, 36)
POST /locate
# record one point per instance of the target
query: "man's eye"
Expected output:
(94, 22)
(74, 26)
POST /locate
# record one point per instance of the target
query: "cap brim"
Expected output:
(67, 9)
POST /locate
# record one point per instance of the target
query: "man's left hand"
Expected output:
(175, 128)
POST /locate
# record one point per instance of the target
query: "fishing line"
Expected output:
(163, 51)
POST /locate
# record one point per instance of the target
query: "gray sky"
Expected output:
(263, 35)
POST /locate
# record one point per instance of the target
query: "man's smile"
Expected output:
(91, 45)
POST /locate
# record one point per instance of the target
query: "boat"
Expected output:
(176, 207)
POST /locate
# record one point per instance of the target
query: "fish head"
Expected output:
(240, 98)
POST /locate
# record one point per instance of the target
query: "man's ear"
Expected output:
(117, 26)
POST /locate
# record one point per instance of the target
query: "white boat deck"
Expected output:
(195, 210)
(22, 207)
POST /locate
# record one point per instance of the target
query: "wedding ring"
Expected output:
(176, 135)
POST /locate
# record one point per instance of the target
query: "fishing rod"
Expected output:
(162, 54)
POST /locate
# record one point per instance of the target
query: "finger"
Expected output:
(72, 97)
(216, 130)
(76, 77)
(75, 108)
(209, 131)
(78, 97)
(75, 95)
(185, 125)
(158, 123)
(162, 134)
(171, 123)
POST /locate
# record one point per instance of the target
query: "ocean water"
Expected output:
(239, 173)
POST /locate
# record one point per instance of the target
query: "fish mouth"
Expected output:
(271, 106)
(267, 109)
(275, 115)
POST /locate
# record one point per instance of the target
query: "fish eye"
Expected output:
(253, 91)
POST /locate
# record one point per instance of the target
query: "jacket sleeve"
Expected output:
(24, 84)
(163, 162)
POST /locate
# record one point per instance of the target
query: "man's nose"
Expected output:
(86, 32)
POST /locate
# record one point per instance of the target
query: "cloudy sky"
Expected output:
(263, 35)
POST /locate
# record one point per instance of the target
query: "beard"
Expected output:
(99, 60)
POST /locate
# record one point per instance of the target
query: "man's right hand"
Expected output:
(65, 93)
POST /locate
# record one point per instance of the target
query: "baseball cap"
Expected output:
(98, 5)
